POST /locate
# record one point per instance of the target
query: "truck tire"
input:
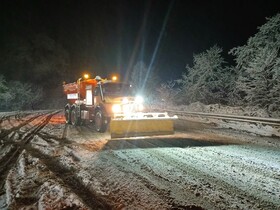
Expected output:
(100, 121)
(75, 120)
(67, 116)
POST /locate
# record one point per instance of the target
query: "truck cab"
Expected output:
(98, 100)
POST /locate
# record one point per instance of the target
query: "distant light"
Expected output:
(86, 76)
(114, 78)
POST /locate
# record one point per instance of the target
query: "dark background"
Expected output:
(102, 36)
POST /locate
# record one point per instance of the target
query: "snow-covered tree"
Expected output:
(5, 95)
(275, 90)
(258, 64)
(16, 95)
(207, 81)
(37, 59)
(3, 86)
(168, 92)
(24, 95)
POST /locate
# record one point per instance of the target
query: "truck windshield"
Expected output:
(117, 89)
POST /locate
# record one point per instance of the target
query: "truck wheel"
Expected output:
(75, 120)
(67, 116)
(99, 119)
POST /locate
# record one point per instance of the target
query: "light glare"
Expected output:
(139, 99)
(86, 76)
(116, 108)
(114, 78)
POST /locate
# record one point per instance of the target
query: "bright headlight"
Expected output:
(139, 100)
(140, 107)
(127, 109)
(116, 108)
(125, 100)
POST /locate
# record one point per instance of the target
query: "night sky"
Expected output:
(111, 36)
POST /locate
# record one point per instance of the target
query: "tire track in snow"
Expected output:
(70, 179)
(5, 132)
(9, 160)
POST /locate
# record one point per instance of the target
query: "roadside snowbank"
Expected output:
(221, 109)
(254, 128)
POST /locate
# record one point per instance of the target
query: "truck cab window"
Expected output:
(97, 91)
(117, 89)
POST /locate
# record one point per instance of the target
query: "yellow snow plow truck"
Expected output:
(111, 105)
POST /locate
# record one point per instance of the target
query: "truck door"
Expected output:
(89, 101)
(97, 96)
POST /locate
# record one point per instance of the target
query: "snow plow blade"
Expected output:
(120, 128)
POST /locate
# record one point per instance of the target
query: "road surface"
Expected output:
(46, 164)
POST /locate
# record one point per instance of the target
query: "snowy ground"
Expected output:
(45, 164)
(220, 109)
(253, 128)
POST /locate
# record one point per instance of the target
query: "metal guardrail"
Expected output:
(249, 119)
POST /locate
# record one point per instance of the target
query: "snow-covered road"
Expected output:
(45, 164)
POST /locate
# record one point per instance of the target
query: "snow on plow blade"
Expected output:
(145, 125)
